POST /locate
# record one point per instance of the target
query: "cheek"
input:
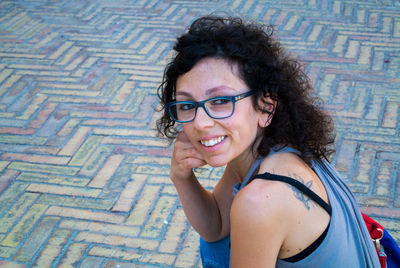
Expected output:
(244, 128)
(188, 130)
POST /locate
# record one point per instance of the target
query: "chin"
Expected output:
(216, 165)
(216, 162)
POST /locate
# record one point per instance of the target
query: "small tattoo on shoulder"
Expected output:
(300, 195)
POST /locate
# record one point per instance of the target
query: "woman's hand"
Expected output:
(185, 157)
(207, 211)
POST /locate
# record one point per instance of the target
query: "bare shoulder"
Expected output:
(291, 165)
(259, 224)
(283, 164)
(260, 204)
(259, 194)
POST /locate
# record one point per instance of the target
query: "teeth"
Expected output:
(212, 142)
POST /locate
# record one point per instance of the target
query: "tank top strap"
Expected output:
(258, 161)
(286, 149)
(252, 169)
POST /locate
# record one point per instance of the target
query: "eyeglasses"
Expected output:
(217, 107)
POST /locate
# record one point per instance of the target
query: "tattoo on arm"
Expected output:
(300, 195)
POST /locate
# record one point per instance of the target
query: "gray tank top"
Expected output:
(347, 242)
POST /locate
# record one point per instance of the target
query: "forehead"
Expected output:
(210, 73)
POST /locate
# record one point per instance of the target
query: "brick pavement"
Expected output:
(83, 177)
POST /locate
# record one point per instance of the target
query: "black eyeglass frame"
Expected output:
(198, 104)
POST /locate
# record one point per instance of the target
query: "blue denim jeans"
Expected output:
(215, 254)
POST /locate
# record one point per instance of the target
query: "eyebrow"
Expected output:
(208, 91)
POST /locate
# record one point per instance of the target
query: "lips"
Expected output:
(213, 141)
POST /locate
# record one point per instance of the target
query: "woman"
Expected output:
(242, 103)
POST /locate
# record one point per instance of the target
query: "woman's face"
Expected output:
(219, 141)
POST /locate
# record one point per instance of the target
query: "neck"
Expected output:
(242, 164)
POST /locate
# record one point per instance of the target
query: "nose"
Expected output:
(202, 119)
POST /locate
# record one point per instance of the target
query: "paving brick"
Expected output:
(346, 155)
(85, 214)
(340, 44)
(391, 114)
(102, 80)
(107, 170)
(133, 255)
(120, 264)
(352, 49)
(95, 160)
(365, 166)
(6, 178)
(11, 194)
(70, 92)
(106, 228)
(123, 93)
(63, 190)
(159, 216)
(60, 50)
(73, 255)
(17, 210)
(68, 127)
(134, 101)
(159, 179)
(36, 239)
(324, 90)
(142, 208)
(85, 151)
(128, 195)
(113, 85)
(7, 252)
(11, 139)
(52, 179)
(30, 167)
(11, 264)
(74, 143)
(114, 240)
(152, 170)
(5, 73)
(176, 229)
(23, 226)
(114, 123)
(75, 201)
(42, 116)
(384, 179)
(68, 55)
(36, 158)
(52, 249)
(374, 108)
(135, 141)
(90, 262)
(188, 257)
(149, 160)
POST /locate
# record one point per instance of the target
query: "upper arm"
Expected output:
(258, 228)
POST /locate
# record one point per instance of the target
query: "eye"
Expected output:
(185, 106)
(220, 101)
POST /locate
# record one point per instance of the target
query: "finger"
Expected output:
(183, 140)
(194, 162)
(182, 136)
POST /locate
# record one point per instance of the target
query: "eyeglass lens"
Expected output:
(216, 108)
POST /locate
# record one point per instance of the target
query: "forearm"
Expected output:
(200, 207)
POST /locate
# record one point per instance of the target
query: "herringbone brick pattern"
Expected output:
(84, 178)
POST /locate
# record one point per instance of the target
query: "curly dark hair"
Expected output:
(298, 119)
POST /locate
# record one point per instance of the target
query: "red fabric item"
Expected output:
(376, 232)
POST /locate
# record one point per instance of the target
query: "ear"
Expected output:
(266, 116)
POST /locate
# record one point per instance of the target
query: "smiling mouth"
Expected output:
(212, 142)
